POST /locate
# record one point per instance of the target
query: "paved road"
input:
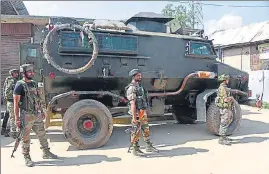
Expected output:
(187, 149)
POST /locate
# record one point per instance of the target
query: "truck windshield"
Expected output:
(200, 48)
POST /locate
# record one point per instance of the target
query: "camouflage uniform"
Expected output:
(225, 108)
(136, 92)
(30, 111)
(8, 95)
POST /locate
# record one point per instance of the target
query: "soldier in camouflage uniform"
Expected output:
(224, 102)
(9, 120)
(27, 100)
(137, 97)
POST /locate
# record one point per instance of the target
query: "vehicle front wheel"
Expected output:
(213, 119)
(87, 124)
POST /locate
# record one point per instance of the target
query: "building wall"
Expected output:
(246, 58)
(237, 57)
(11, 37)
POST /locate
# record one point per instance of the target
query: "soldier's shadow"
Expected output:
(246, 140)
(77, 161)
(181, 151)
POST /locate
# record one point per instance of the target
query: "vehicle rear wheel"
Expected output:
(184, 115)
(87, 124)
(213, 119)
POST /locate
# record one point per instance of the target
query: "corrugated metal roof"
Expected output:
(13, 8)
(37, 20)
(246, 34)
(20, 7)
(6, 8)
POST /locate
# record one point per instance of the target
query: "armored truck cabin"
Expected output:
(82, 72)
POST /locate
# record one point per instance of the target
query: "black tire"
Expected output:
(184, 115)
(102, 123)
(244, 99)
(213, 119)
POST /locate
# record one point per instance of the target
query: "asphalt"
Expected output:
(187, 149)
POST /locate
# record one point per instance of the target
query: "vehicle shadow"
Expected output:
(174, 134)
(169, 134)
(77, 161)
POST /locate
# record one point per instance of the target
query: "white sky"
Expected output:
(214, 17)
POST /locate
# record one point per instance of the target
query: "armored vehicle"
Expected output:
(82, 70)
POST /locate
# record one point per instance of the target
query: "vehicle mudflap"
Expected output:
(201, 104)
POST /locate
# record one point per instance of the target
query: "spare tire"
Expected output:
(87, 124)
(50, 59)
(213, 119)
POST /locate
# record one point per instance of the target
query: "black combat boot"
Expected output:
(48, 155)
(14, 135)
(28, 161)
(6, 134)
(229, 139)
(150, 148)
(137, 151)
(3, 131)
(223, 140)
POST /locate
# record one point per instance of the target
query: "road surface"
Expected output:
(186, 149)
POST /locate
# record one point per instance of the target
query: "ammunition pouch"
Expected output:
(141, 103)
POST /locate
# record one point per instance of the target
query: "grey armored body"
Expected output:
(88, 75)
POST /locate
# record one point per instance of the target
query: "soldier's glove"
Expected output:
(228, 99)
(134, 121)
(41, 116)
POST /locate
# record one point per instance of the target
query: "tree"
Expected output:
(180, 15)
(184, 17)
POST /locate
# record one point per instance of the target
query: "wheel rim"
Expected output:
(88, 126)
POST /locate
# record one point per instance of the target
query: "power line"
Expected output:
(237, 6)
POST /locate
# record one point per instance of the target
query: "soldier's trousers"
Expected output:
(226, 118)
(5, 120)
(37, 125)
(11, 121)
(144, 128)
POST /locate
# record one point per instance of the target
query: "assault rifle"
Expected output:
(136, 128)
(18, 139)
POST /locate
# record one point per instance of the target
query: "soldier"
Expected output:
(9, 85)
(224, 102)
(31, 113)
(137, 97)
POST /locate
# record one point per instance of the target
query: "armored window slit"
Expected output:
(124, 62)
(141, 62)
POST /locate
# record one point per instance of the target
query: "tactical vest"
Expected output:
(141, 100)
(9, 85)
(221, 95)
(32, 99)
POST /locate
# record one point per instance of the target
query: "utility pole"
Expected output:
(196, 13)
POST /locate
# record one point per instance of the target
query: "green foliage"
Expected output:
(181, 14)
(265, 105)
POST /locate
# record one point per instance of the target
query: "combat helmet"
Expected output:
(13, 70)
(26, 67)
(134, 72)
(223, 77)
